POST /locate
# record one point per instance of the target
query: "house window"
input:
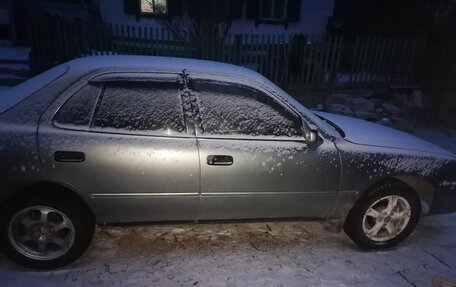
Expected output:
(273, 10)
(154, 7)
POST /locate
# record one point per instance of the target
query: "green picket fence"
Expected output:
(311, 60)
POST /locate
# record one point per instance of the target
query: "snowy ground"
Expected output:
(249, 254)
(253, 254)
(12, 53)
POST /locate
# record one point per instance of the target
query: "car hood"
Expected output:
(367, 133)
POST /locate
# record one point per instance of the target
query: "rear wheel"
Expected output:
(384, 216)
(44, 232)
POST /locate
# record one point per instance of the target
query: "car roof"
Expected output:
(162, 63)
(117, 63)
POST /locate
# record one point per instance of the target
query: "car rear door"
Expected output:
(122, 141)
(255, 162)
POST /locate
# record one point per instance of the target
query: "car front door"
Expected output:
(122, 141)
(255, 162)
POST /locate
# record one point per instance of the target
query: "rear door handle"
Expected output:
(220, 160)
(69, 156)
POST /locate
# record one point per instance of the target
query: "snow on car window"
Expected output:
(233, 109)
(138, 77)
(78, 110)
(141, 106)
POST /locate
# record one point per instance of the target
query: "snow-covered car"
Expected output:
(122, 139)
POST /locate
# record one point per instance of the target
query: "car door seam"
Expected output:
(192, 116)
(339, 186)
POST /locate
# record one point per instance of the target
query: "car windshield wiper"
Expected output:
(336, 127)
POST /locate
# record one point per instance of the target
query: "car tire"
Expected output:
(45, 230)
(384, 216)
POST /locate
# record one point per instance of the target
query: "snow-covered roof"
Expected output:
(162, 63)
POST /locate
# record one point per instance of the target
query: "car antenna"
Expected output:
(184, 76)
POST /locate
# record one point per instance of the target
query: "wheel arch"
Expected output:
(47, 187)
(420, 186)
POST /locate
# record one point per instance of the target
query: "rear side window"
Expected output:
(78, 110)
(230, 109)
(141, 107)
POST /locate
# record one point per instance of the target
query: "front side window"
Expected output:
(231, 109)
(154, 6)
(141, 107)
(273, 10)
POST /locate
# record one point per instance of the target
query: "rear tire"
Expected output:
(45, 231)
(384, 216)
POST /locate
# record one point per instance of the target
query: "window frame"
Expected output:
(102, 79)
(153, 14)
(271, 12)
(288, 108)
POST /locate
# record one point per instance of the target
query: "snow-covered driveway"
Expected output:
(249, 254)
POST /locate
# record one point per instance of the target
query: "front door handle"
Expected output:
(69, 156)
(219, 160)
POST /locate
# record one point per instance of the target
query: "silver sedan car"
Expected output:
(127, 139)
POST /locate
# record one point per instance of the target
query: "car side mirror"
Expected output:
(311, 135)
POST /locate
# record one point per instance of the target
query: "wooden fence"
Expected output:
(310, 60)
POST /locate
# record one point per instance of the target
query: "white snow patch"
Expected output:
(14, 53)
(367, 133)
(19, 67)
(249, 254)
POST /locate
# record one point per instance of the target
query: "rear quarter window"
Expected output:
(78, 110)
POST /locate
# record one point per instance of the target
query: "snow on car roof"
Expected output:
(162, 63)
(15, 95)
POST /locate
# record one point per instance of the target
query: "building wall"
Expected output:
(4, 20)
(313, 19)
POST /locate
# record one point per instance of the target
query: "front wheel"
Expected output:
(44, 232)
(384, 216)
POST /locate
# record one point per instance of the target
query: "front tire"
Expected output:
(384, 216)
(45, 231)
